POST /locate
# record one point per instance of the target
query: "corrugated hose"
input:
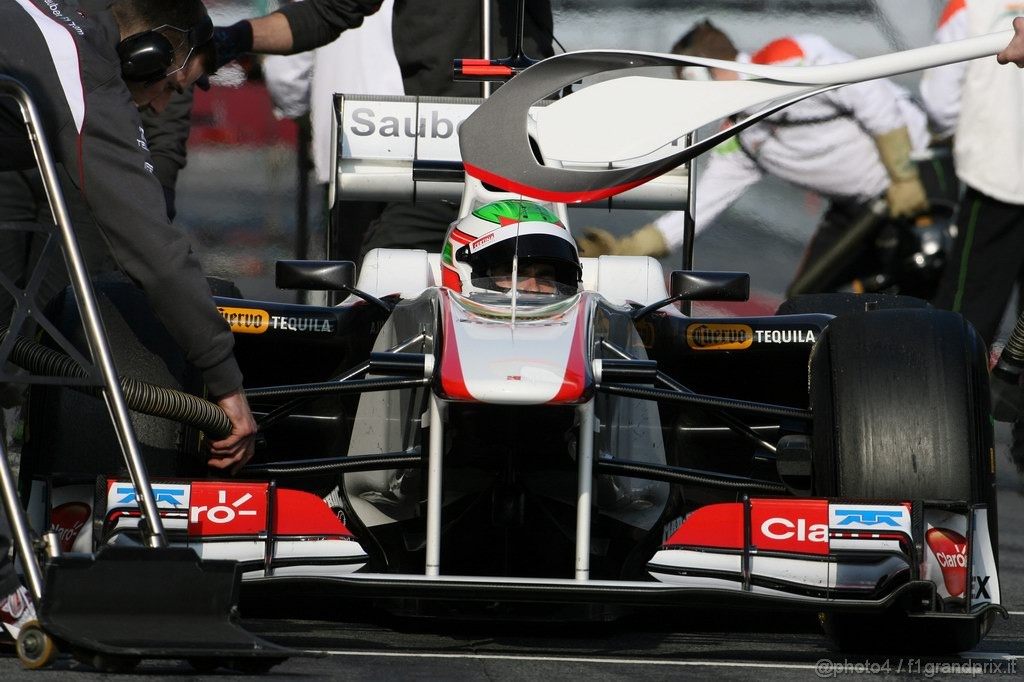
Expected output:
(140, 396)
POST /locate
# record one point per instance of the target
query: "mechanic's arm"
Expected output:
(296, 27)
(167, 134)
(875, 106)
(127, 202)
(728, 174)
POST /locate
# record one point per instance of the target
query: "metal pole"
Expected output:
(434, 487)
(584, 489)
(19, 526)
(305, 164)
(112, 395)
(689, 219)
(485, 41)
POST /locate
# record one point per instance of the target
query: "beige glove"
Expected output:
(647, 241)
(906, 194)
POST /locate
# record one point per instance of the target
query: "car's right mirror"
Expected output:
(694, 285)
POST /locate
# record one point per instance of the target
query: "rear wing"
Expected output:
(407, 149)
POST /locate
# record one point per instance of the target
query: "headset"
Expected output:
(147, 57)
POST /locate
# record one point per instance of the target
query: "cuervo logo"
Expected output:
(246, 320)
(719, 336)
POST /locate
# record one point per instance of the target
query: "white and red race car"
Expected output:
(429, 440)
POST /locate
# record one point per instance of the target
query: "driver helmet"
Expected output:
(483, 245)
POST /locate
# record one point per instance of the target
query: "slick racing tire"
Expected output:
(900, 403)
(842, 303)
(71, 432)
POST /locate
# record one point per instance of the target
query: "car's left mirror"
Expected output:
(315, 275)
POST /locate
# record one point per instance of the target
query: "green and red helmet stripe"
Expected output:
(513, 211)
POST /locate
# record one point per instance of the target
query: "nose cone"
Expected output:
(530, 362)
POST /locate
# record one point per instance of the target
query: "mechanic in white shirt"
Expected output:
(359, 62)
(851, 145)
(982, 105)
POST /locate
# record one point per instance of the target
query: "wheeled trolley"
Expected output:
(119, 605)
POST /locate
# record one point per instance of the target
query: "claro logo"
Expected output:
(785, 529)
(790, 526)
(68, 520)
(227, 509)
(719, 336)
(950, 550)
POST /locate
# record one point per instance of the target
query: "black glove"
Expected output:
(231, 41)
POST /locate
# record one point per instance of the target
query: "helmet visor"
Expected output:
(534, 263)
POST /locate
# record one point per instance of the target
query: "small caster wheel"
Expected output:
(36, 649)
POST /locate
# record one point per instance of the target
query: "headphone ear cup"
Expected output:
(145, 56)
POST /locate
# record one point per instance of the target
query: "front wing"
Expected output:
(814, 554)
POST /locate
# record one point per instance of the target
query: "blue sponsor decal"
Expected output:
(870, 517)
(168, 495)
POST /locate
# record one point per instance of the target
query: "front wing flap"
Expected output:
(270, 531)
(834, 552)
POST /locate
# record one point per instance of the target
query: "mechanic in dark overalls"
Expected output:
(117, 207)
(851, 145)
(73, 67)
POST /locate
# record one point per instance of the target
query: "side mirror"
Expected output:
(315, 275)
(690, 285)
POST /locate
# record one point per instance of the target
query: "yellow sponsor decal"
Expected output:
(246, 320)
(719, 336)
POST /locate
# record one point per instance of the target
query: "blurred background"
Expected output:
(239, 195)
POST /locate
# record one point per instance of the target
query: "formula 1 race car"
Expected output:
(503, 422)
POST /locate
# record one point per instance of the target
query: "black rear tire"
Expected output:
(900, 401)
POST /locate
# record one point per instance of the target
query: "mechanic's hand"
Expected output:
(1014, 51)
(906, 198)
(647, 241)
(906, 194)
(229, 42)
(596, 242)
(237, 449)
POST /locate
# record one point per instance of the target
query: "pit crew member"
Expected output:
(980, 104)
(88, 77)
